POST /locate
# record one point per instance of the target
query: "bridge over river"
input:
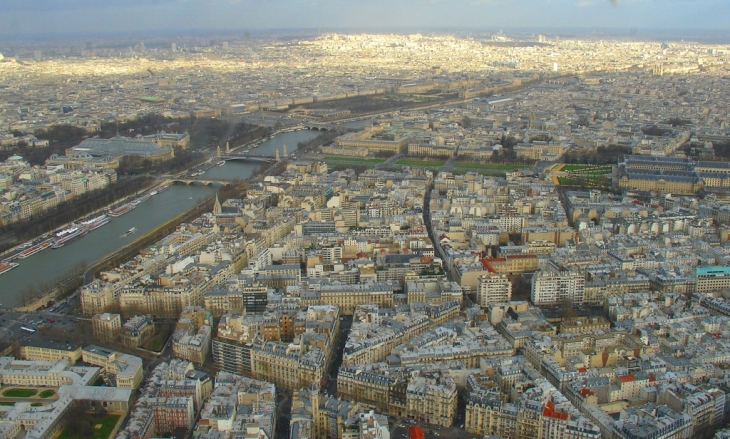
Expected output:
(207, 182)
(247, 156)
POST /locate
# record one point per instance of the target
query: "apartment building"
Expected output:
(650, 420)
(552, 288)
(137, 330)
(492, 288)
(346, 296)
(192, 336)
(239, 293)
(106, 326)
(711, 279)
(315, 415)
(432, 400)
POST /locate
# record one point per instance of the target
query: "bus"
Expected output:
(27, 329)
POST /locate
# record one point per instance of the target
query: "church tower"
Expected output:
(217, 209)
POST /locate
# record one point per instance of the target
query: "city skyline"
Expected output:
(81, 17)
(319, 219)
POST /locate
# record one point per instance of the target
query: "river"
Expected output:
(49, 266)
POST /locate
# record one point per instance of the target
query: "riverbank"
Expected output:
(133, 248)
(78, 212)
(67, 286)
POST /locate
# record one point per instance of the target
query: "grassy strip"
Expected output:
(569, 168)
(588, 173)
(497, 166)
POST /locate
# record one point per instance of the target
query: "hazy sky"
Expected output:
(50, 16)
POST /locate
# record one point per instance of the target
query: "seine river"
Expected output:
(48, 266)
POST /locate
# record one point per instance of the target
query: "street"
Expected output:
(345, 325)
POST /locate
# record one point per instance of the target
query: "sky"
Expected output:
(32, 17)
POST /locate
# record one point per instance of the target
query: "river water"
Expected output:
(49, 266)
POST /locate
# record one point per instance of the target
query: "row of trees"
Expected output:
(71, 210)
(60, 137)
(380, 102)
(204, 132)
(722, 149)
(600, 156)
(63, 284)
(322, 139)
(183, 160)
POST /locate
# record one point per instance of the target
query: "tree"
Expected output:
(80, 422)
(507, 141)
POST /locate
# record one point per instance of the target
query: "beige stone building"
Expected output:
(43, 350)
(106, 326)
(126, 369)
(192, 336)
(137, 330)
(432, 401)
(347, 297)
(431, 150)
(584, 324)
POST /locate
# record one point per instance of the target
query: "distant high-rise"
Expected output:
(173, 47)
(225, 44)
(89, 45)
(141, 46)
(37, 55)
(541, 38)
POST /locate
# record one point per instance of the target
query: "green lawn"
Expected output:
(36, 404)
(156, 344)
(47, 393)
(498, 166)
(106, 422)
(436, 163)
(589, 173)
(7, 403)
(19, 393)
(338, 158)
(587, 168)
